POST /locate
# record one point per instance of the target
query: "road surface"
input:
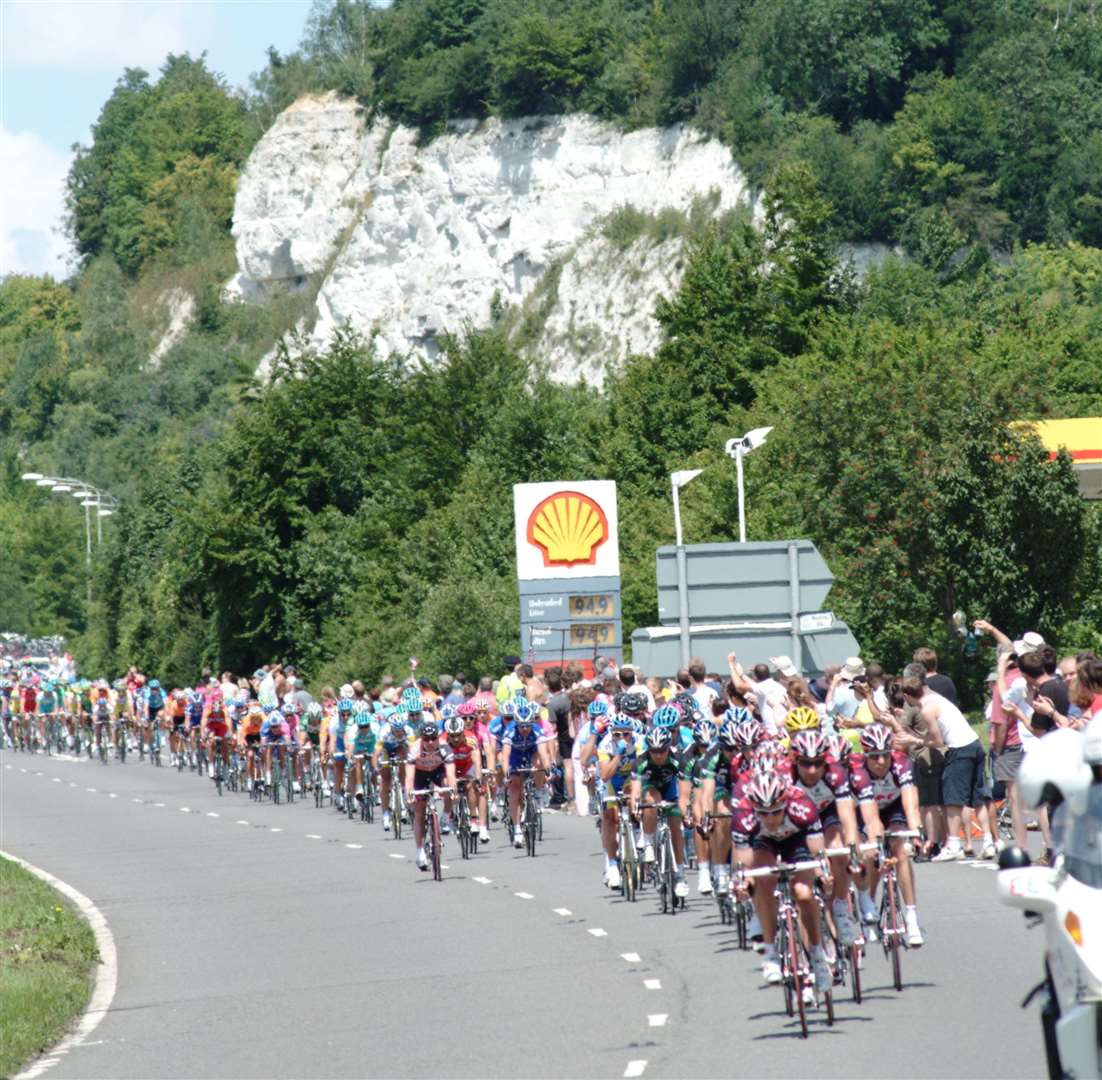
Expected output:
(285, 941)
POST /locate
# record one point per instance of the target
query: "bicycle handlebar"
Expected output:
(782, 868)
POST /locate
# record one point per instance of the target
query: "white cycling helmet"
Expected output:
(1056, 762)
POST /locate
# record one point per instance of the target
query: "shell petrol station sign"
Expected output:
(568, 570)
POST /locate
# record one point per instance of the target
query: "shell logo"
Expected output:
(567, 527)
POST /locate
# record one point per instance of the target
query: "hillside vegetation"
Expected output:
(358, 508)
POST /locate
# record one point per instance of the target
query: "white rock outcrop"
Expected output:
(415, 240)
(180, 306)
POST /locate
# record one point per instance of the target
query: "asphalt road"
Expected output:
(285, 941)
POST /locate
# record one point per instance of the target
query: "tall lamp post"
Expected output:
(677, 481)
(737, 448)
(90, 497)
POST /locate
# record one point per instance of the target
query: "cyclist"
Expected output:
(522, 742)
(248, 739)
(656, 780)
(177, 711)
(704, 734)
(273, 732)
(429, 764)
(310, 736)
(392, 748)
(153, 703)
(196, 706)
(801, 718)
(719, 775)
(101, 711)
(826, 784)
(47, 707)
(28, 699)
(338, 723)
(888, 799)
(468, 770)
(213, 728)
(365, 729)
(618, 753)
(777, 821)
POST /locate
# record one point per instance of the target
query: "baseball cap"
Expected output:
(784, 665)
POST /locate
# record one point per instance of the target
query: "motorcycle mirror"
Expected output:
(1013, 858)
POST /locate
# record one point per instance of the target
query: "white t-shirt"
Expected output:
(955, 731)
(1017, 693)
(704, 696)
(771, 697)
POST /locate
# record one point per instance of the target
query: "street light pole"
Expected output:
(741, 495)
(677, 481)
(736, 448)
(88, 552)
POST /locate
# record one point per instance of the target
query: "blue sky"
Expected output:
(60, 59)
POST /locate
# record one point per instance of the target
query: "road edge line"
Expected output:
(107, 970)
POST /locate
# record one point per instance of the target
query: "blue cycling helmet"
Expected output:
(345, 704)
(597, 708)
(738, 714)
(622, 722)
(154, 684)
(411, 699)
(666, 717)
(288, 708)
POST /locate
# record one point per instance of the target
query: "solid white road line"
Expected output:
(107, 971)
(635, 1068)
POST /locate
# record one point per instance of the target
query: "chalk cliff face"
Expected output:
(566, 227)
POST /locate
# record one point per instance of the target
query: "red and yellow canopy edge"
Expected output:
(1081, 437)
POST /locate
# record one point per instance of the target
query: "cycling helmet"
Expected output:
(596, 709)
(429, 729)
(468, 708)
(524, 714)
(453, 726)
(667, 716)
(684, 701)
(658, 739)
(153, 684)
(344, 705)
(809, 744)
(876, 739)
(447, 712)
(359, 707)
(728, 735)
(767, 791)
(621, 722)
(631, 703)
(749, 733)
(738, 714)
(411, 699)
(802, 718)
(313, 710)
(508, 709)
(839, 747)
(704, 732)
(288, 708)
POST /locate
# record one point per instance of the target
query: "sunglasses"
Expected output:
(430, 738)
(774, 812)
(877, 755)
(810, 762)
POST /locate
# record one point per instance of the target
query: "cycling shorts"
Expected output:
(829, 816)
(314, 737)
(252, 738)
(275, 733)
(422, 780)
(522, 760)
(669, 791)
(393, 754)
(217, 728)
(613, 787)
(791, 849)
(179, 721)
(892, 816)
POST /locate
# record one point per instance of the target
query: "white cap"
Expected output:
(346, 690)
(1030, 641)
(852, 668)
(784, 665)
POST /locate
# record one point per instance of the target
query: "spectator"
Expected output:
(654, 685)
(511, 682)
(962, 777)
(1050, 700)
(701, 691)
(928, 760)
(559, 713)
(842, 701)
(821, 685)
(940, 684)
(1089, 687)
(1005, 740)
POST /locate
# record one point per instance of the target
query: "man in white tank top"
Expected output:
(963, 775)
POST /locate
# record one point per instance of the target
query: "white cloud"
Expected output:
(101, 35)
(32, 203)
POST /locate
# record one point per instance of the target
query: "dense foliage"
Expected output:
(357, 508)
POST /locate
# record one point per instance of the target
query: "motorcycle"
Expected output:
(1066, 899)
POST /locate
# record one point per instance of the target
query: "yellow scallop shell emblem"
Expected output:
(568, 527)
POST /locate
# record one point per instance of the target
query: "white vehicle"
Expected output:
(1066, 898)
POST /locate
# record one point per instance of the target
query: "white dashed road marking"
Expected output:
(563, 911)
(353, 846)
(212, 813)
(57, 779)
(658, 1019)
(524, 895)
(482, 880)
(241, 821)
(630, 957)
(396, 855)
(276, 829)
(596, 931)
(312, 836)
(653, 984)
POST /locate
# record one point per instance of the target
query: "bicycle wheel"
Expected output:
(742, 922)
(437, 875)
(218, 774)
(781, 945)
(897, 935)
(369, 798)
(795, 959)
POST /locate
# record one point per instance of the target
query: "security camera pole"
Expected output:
(736, 448)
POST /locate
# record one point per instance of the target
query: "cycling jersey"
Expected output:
(464, 754)
(800, 820)
(659, 776)
(630, 748)
(521, 744)
(885, 790)
(724, 769)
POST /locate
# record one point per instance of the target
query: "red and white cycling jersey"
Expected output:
(828, 789)
(882, 790)
(800, 816)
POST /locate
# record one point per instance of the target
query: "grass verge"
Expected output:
(47, 952)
